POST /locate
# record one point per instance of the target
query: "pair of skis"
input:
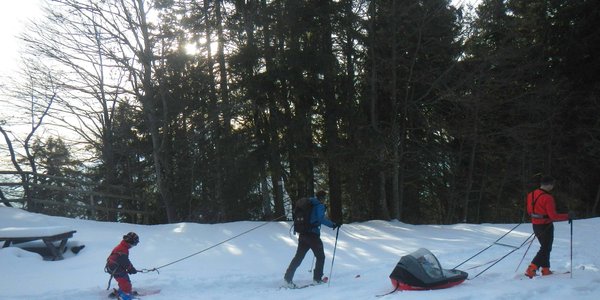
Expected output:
(296, 287)
(135, 294)
(325, 279)
(554, 273)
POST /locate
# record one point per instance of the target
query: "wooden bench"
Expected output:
(49, 235)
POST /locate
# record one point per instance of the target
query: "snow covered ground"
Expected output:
(251, 266)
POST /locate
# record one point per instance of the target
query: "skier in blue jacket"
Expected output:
(311, 240)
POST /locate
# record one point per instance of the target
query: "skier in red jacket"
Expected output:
(542, 210)
(119, 266)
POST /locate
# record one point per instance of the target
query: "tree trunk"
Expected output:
(382, 197)
(596, 201)
(471, 169)
(396, 136)
(151, 103)
(332, 147)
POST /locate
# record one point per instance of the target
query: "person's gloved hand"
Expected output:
(337, 225)
(132, 271)
(571, 216)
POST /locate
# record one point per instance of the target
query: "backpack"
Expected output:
(301, 216)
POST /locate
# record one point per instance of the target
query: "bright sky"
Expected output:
(13, 15)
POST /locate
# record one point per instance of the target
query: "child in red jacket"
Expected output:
(119, 266)
(542, 209)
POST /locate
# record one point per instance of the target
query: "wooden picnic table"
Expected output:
(49, 235)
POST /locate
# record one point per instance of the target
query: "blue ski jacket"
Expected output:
(318, 217)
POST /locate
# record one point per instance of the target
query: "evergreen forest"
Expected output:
(224, 110)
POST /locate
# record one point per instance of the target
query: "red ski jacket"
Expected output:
(118, 262)
(542, 209)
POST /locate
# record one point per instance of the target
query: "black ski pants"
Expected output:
(545, 235)
(307, 241)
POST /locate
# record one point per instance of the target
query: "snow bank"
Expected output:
(251, 266)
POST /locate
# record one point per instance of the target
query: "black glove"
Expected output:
(132, 271)
(337, 225)
(571, 217)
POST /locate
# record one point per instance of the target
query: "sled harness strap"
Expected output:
(533, 215)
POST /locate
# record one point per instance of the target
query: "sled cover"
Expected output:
(421, 270)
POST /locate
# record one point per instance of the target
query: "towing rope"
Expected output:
(503, 257)
(488, 247)
(396, 288)
(213, 246)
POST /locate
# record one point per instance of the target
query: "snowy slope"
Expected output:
(252, 265)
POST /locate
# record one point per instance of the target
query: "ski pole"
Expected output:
(571, 222)
(524, 254)
(333, 258)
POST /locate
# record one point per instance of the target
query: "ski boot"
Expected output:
(531, 271)
(118, 294)
(546, 271)
(320, 281)
(289, 284)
